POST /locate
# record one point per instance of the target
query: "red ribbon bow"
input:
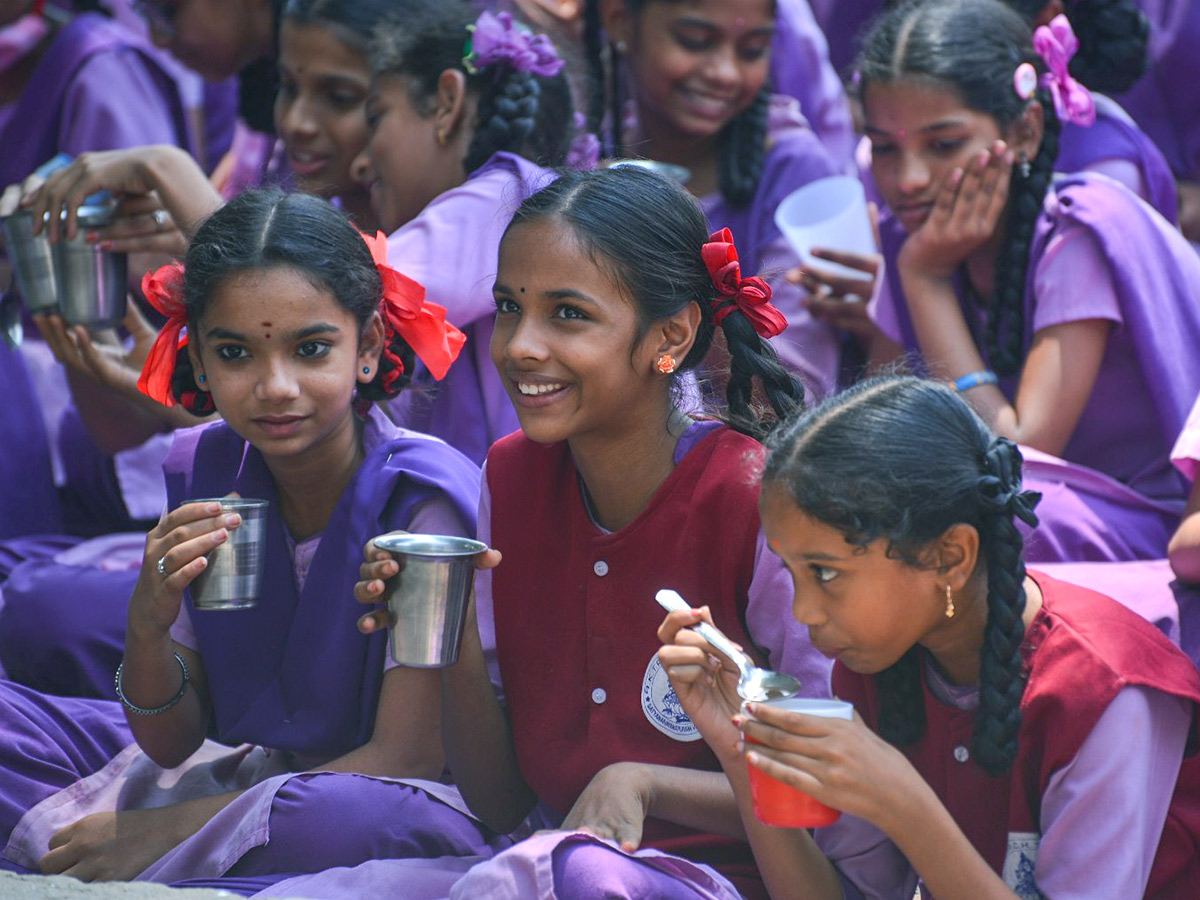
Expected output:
(750, 295)
(407, 313)
(164, 289)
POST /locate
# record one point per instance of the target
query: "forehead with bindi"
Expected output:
(909, 107)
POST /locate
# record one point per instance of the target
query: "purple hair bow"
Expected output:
(496, 38)
(1056, 44)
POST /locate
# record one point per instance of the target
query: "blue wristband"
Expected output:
(975, 379)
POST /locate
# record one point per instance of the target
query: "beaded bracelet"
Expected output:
(143, 711)
(974, 379)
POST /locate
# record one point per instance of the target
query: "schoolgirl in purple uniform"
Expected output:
(1064, 311)
(294, 326)
(609, 286)
(1005, 719)
(458, 139)
(699, 87)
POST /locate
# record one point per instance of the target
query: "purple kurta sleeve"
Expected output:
(483, 589)
(1186, 454)
(116, 102)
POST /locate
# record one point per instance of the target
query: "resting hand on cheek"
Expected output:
(965, 215)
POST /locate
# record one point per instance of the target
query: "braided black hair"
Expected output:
(1114, 40)
(647, 232)
(263, 229)
(519, 112)
(258, 82)
(974, 47)
(742, 143)
(943, 467)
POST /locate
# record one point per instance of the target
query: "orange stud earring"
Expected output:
(666, 364)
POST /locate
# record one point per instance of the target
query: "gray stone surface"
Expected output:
(59, 887)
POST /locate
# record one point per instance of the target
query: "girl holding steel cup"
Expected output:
(1005, 719)
(294, 326)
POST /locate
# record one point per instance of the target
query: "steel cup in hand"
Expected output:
(233, 577)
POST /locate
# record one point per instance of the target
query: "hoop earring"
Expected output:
(666, 364)
(949, 602)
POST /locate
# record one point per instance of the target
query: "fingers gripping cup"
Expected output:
(427, 601)
(830, 213)
(782, 805)
(233, 577)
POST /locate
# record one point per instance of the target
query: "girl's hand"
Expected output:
(381, 565)
(614, 805)
(180, 542)
(965, 215)
(141, 225)
(841, 763)
(121, 171)
(705, 682)
(837, 300)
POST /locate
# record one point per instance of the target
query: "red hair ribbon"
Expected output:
(164, 289)
(407, 313)
(750, 295)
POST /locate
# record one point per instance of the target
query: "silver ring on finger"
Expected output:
(162, 566)
(852, 298)
(160, 219)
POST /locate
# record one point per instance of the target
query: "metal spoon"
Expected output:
(755, 684)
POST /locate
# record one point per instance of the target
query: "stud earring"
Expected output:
(949, 602)
(666, 364)
(441, 138)
(200, 379)
(1023, 167)
(366, 370)
(622, 47)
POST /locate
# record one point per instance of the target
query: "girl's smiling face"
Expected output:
(860, 606)
(696, 65)
(281, 358)
(920, 132)
(569, 346)
(323, 83)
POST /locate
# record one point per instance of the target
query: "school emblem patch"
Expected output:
(1019, 864)
(661, 704)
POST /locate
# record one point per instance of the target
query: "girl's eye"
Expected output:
(506, 305)
(344, 99)
(754, 52)
(230, 352)
(824, 574)
(694, 43)
(570, 312)
(878, 149)
(947, 146)
(313, 349)
(373, 115)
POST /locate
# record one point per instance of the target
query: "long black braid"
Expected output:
(829, 463)
(974, 47)
(743, 147)
(518, 112)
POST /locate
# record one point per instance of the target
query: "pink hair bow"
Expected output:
(1056, 44)
(496, 38)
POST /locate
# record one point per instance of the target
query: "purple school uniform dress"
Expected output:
(292, 674)
(800, 68)
(452, 249)
(1164, 101)
(1100, 253)
(795, 157)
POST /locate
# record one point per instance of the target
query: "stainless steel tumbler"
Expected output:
(233, 577)
(92, 282)
(32, 257)
(427, 601)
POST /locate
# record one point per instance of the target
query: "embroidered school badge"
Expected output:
(661, 705)
(1019, 864)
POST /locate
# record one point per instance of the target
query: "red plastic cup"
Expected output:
(782, 805)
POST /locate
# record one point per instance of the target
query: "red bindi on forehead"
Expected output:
(267, 325)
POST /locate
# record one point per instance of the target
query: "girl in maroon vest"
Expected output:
(608, 288)
(1016, 735)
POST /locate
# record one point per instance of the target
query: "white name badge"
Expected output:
(661, 704)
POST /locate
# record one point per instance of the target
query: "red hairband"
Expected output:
(404, 309)
(752, 296)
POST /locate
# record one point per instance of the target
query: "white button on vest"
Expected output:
(600, 568)
(961, 753)
(599, 695)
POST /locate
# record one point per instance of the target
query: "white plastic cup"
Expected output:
(830, 213)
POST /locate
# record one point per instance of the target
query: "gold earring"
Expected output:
(441, 138)
(666, 364)
(949, 602)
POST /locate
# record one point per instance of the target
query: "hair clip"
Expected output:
(1025, 80)
(496, 38)
(752, 296)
